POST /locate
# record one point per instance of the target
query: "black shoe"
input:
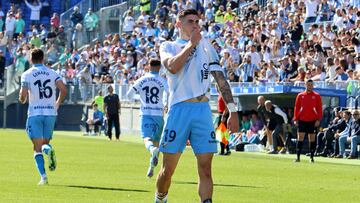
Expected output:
(307, 154)
(221, 153)
(227, 153)
(296, 160)
(312, 160)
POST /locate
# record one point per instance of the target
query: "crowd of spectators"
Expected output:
(259, 44)
(276, 41)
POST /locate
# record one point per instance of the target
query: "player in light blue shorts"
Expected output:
(189, 121)
(151, 87)
(190, 61)
(151, 127)
(40, 127)
(38, 85)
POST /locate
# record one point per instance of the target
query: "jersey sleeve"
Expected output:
(132, 90)
(166, 51)
(25, 83)
(213, 56)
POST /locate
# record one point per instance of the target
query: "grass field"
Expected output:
(93, 169)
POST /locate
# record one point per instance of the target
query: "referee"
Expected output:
(307, 117)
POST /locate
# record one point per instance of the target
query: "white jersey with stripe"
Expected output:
(40, 82)
(193, 79)
(151, 88)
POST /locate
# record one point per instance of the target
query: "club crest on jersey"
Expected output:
(205, 72)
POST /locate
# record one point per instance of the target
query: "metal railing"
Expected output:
(84, 5)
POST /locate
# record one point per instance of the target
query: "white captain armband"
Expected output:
(231, 107)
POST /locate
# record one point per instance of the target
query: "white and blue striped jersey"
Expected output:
(151, 88)
(193, 79)
(40, 82)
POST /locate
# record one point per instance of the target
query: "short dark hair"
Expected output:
(310, 80)
(37, 56)
(186, 12)
(154, 62)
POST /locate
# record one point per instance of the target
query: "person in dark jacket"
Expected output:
(112, 109)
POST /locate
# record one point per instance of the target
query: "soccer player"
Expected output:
(307, 116)
(151, 87)
(39, 84)
(189, 61)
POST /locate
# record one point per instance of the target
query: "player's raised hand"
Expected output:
(195, 36)
(233, 122)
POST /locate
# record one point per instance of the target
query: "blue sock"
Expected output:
(39, 160)
(46, 148)
(149, 145)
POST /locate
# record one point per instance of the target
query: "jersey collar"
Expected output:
(182, 41)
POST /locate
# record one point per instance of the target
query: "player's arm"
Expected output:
(176, 63)
(23, 94)
(63, 91)
(224, 87)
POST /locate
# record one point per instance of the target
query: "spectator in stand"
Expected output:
(2, 68)
(43, 33)
(55, 22)
(307, 116)
(10, 26)
(2, 23)
(76, 17)
(90, 22)
(35, 11)
(19, 26)
(129, 23)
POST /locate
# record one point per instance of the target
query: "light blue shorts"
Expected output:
(151, 127)
(40, 127)
(189, 121)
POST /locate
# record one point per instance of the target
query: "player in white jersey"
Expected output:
(189, 62)
(151, 87)
(39, 84)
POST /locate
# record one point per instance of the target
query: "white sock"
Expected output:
(149, 145)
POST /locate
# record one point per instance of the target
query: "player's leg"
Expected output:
(163, 181)
(147, 133)
(34, 129)
(172, 144)
(205, 186)
(312, 146)
(39, 160)
(300, 140)
(204, 144)
(49, 124)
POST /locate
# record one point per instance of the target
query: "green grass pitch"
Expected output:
(93, 169)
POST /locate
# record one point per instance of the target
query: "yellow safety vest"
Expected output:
(145, 5)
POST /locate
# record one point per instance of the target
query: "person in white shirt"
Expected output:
(129, 23)
(35, 11)
(327, 37)
(38, 85)
(10, 26)
(189, 61)
(311, 10)
(151, 88)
